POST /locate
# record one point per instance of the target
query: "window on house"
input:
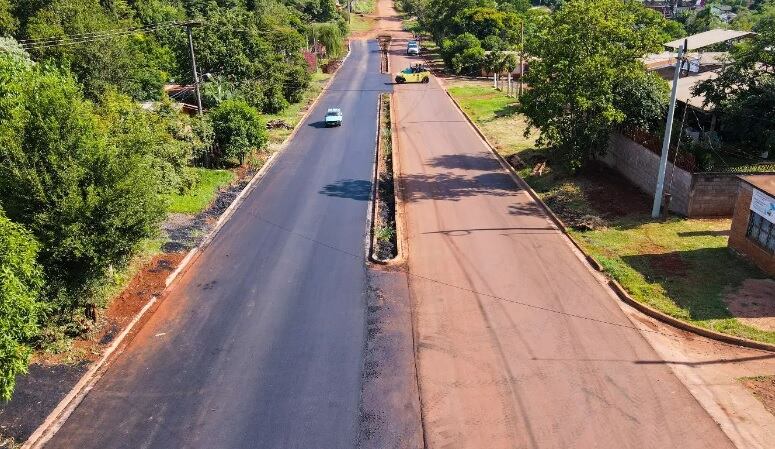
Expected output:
(761, 231)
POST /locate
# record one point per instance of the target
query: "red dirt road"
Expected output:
(518, 344)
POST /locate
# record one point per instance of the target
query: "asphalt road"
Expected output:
(518, 344)
(261, 342)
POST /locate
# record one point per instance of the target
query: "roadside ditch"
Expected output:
(384, 239)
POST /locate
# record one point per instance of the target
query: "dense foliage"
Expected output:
(476, 35)
(91, 146)
(238, 129)
(20, 284)
(585, 70)
(87, 195)
(744, 92)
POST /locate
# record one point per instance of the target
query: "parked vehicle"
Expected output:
(414, 74)
(334, 117)
(413, 48)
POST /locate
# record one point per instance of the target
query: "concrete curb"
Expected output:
(399, 258)
(70, 402)
(615, 286)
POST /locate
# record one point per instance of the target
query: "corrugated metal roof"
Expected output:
(707, 38)
(686, 85)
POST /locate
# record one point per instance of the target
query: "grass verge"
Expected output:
(294, 112)
(197, 199)
(364, 6)
(361, 24)
(681, 267)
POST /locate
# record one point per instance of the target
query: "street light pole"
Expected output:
(189, 26)
(668, 131)
(521, 56)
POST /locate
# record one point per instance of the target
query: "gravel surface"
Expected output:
(187, 231)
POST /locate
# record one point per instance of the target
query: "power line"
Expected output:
(496, 297)
(92, 37)
(95, 33)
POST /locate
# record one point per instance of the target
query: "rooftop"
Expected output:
(687, 83)
(765, 183)
(707, 38)
(656, 61)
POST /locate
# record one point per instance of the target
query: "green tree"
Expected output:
(157, 135)
(744, 91)
(135, 64)
(328, 35)
(8, 21)
(21, 281)
(238, 129)
(483, 22)
(463, 54)
(583, 52)
(87, 200)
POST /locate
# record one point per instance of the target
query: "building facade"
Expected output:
(753, 223)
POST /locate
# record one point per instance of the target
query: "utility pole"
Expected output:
(350, 11)
(189, 26)
(668, 131)
(521, 57)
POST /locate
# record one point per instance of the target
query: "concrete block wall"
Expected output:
(694, 194)
(713, 194)
(640, 166)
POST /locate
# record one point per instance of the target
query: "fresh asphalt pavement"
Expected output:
(261, 342)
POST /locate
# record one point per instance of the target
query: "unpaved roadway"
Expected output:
(261, 343)
(518, 344)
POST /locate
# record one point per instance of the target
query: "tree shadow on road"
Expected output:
(446, 186)
(354, 189)
(482, 161)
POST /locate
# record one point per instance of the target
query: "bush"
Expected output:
(238, 129)
(297, 79)
(464, 54)
(469, 62)
(20, 284)
(87, 200)
(152, 134)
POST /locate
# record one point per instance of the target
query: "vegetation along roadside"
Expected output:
(109, 170)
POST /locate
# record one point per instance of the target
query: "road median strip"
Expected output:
(383, 229)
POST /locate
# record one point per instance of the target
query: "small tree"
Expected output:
(583, 52)
(20, 284)
(238, 129)
(464, 54)
(744, 91)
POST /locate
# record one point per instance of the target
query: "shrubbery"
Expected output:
(238, 129)
(20, 284)
(86, 194)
